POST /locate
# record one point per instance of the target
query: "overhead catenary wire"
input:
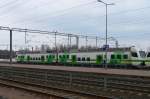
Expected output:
(29, 7)
(136, 9)
(121, 12)
(116, 12)
(7, 9)
(71, 8)
(10, 3)
(6, 4)
(61, 12)
(111, 14)
(44, 32)
(48, 32)
(57, 13)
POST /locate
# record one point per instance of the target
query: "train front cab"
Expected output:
(136, 59)
(147, 59)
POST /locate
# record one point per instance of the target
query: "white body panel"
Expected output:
(91, 55)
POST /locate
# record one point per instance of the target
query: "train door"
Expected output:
(99, 59)
(73, 59)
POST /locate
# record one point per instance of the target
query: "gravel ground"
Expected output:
(14, 93)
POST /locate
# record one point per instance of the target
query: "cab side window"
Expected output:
(134, 54)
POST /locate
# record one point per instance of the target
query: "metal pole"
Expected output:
(56, 48)
(106, 40)
(117, 45)
(86, 43)
(55, 42)
(96, 42)
(25, 41)
(10, 47)
(68, 42)
(77, 42)
(106, 4)
(25, 37)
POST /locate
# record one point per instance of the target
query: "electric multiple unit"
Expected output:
(147, 62)
(115, 56)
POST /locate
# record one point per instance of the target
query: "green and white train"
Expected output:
(147, 61)
(115, 56)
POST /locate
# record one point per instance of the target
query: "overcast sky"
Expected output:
(128, 20)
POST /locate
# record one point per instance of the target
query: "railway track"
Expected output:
(57, 93)
(85, 83)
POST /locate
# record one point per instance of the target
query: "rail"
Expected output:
(53, 92)
(85, 83)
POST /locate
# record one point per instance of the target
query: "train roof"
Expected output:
(123, 49)
(108, 50)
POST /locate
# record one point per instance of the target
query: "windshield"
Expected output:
(142, 54)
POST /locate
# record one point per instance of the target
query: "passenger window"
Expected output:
(42, 57)
(88, 59)
(79, 59)
(99, 57)
(118, 56)
(112, 56)
(73, 57)
(83, 59)
(125, 56)
(28, 57)
(59, 56)
(67, 56)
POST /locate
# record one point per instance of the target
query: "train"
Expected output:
(127, 56)
(147, 61)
